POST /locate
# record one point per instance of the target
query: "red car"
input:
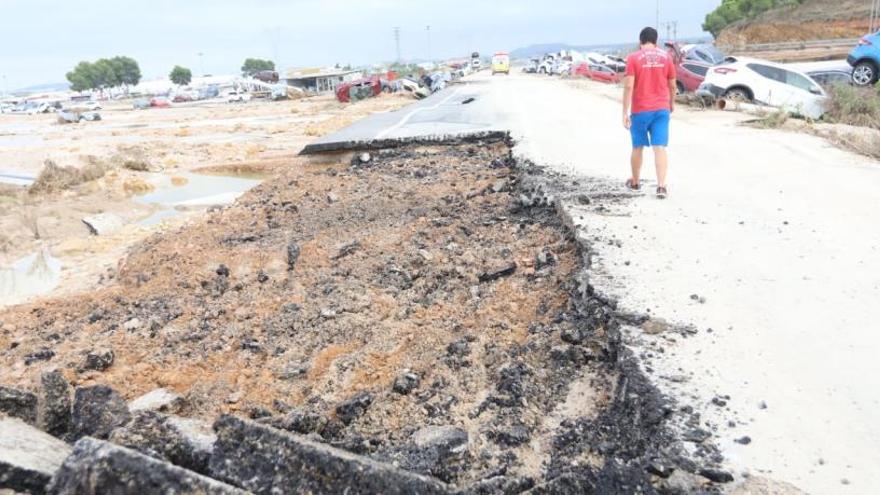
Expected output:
(597, 73)
(690, 70)
(160, 102)
(344, 91)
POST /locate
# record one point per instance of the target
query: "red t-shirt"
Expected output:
(652, 69)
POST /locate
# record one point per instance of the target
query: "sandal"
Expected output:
(662, 193)
(633, 186)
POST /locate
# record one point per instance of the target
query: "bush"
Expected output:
(54, 178)
(854, 106)
(731, 11)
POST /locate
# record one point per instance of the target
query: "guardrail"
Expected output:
(797, 45)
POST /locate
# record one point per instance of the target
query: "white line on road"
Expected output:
(408, 116)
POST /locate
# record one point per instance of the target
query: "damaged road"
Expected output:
(425, 315)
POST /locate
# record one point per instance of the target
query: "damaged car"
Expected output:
(767, 83)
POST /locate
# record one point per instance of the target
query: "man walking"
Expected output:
(648, 101)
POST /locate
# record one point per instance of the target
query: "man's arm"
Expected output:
(672, 89)
(628, 84)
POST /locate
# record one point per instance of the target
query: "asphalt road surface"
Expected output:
(775, 232)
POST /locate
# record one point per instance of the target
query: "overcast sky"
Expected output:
(40, 40)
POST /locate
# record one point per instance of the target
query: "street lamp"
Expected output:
(202, 63)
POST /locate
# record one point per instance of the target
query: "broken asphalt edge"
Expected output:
(390, 143)
(643, 443)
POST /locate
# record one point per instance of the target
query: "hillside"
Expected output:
(810, 20)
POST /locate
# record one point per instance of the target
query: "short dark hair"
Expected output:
(648, 35)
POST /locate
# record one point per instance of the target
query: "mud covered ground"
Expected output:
(426, 307)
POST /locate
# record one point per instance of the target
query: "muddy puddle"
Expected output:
(16, 178)
(32, 275)
(191, 190)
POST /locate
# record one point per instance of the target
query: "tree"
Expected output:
(253, 65)
(180, 75)
(81, 77)
(127, 70)
(104, 73)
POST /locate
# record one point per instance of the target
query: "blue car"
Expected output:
(865, 59)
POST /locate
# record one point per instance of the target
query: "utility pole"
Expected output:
(397, 42)
(658, 15)
(202, 63)
(875, 16)
(428, 30)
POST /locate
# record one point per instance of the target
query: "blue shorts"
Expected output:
(650, 129)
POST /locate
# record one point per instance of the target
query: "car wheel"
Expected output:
(737, 94)
(864, 74)
(679, 88)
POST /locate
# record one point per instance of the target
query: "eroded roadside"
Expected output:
(428, 307)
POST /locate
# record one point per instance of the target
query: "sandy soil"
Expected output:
(251, 140)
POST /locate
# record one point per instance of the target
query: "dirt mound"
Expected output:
(810, 20)
(424, 306)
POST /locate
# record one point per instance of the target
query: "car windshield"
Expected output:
(706, 53)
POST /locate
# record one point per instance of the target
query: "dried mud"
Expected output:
(428, 308)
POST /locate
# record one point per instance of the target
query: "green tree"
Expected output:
(81, 77)
(127, 70)
(253, 65)
(180, 75)
(104, 73)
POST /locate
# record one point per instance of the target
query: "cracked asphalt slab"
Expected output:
(758, 267)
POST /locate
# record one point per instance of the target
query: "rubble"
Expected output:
(28, 456)
(424, 333)
(160, 400)
(18, 404)
(55, 410)
(153, 434)
(98, 360)
(265, 460)
(97, 467)
(97, 411)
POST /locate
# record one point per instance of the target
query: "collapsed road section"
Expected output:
(409, 320)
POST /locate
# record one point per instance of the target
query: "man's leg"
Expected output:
(635, 161)
(659, 130)
(639, 133)
(661, 160)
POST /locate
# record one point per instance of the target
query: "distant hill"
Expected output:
(808, 20)
(43, 88)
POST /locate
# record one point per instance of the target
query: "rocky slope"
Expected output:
(811, 20)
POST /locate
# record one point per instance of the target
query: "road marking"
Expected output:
(408, 116)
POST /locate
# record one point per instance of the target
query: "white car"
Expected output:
(237, 96)
(764, 82)
(599, 59)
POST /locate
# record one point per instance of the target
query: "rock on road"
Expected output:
(776, 234)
